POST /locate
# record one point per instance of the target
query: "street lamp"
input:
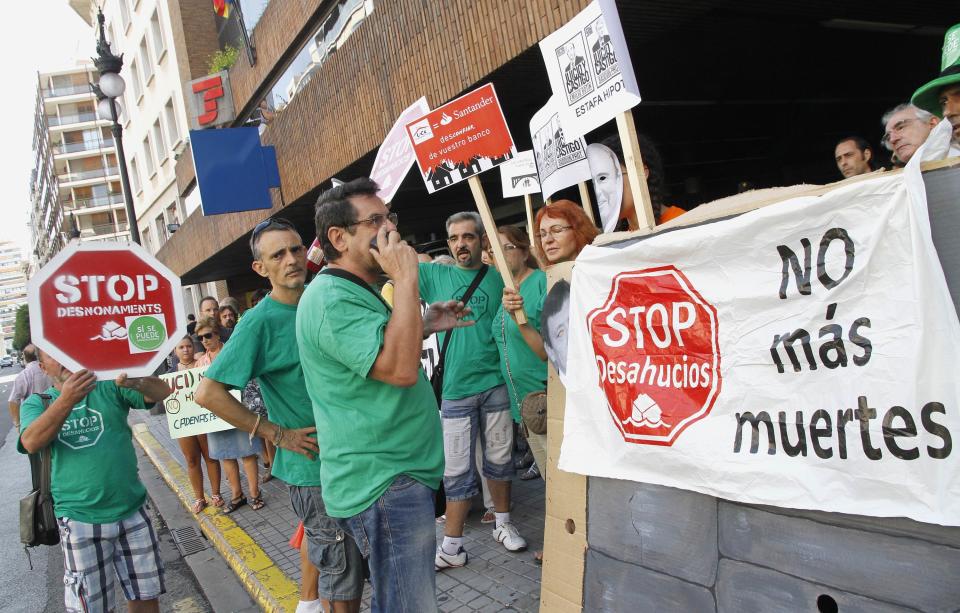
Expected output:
(108, 89)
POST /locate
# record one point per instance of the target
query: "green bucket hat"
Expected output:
(926, 97)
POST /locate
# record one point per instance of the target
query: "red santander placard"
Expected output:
(462, 138)
(106, 308)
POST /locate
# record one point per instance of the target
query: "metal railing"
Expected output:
(82, 146)
(66, 90)
(89, 203)
(64, 120)
(102, 229)
(88, 174)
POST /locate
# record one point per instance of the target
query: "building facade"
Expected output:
(13, 290)
(76, 179)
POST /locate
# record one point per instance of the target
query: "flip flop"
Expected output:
(233, 505)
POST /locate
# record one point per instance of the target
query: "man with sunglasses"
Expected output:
(906, 129)
(377, 423)
(263, 347)
(474, 397)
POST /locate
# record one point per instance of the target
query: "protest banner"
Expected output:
(801, 356)
(561, 162)
(184, 416)
(108, 308)
(457, 142)
(589, 69)
(395, 156)
(518, 176)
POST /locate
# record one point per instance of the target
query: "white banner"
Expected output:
(589, 68)
(561, 161)
(801, 355)
(184, 416)
(518, 176)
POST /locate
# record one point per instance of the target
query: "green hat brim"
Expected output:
(926, 97)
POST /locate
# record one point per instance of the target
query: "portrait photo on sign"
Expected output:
(554, 321)
(573, 62)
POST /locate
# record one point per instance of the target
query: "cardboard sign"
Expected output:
(106, 307)
(184, 416)
(461, 139)
(395, 156)
(519, 175)
(589, 69)
(561, 161)
(800, 355)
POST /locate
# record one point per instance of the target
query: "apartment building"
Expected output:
(13, 290)
(76, 179)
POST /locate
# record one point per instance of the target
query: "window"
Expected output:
(161, 227)
(160, 143)
(159, 45)
(146, 64)
(172, 214)
(148, 157)
(124, 14)
(135, 176)
(170, 118)
(135, 83)
(147, 240)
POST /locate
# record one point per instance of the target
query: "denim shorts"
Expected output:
(486, 414)
(332, 550)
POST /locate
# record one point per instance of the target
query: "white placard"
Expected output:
(561, 161)
(801, 355)
(184, 416)
(395, 155)
(519, 175)
(589, 68)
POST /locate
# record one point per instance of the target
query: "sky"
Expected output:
(39, 35)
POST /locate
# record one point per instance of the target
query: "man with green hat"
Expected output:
(941, 96)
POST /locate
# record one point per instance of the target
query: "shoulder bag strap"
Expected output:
(349, 276)
(45, 457)
(477, 278)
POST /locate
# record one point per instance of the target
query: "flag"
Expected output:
(222, 7)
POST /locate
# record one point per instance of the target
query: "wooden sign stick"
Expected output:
(490, 227)
(585, 201)
(634, 163)
(528, 204)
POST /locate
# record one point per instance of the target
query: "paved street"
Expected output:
(7, 375)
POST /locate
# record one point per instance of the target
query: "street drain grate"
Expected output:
(188, 540)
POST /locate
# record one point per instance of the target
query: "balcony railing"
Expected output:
(100, 230)
(67, 90)
(82, 146)
(88, 174)
(65, 120)
(89, 203)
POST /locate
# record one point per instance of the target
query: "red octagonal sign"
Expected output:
(655, 342)
(107, 308)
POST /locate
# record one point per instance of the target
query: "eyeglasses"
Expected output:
(205, 337)
(553, 231)
(376, 220)
(278, 223)
(895, 130)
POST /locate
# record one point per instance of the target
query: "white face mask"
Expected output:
(607, 183)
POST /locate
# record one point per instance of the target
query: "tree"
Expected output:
(21, 330)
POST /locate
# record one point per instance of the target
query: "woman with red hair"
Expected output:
(562, 230)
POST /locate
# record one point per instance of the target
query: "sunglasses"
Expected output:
(274, 223)
(206, 337)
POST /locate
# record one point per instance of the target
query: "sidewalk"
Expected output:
(256, 542)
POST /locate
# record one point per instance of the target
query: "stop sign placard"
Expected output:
(655, 341)
(108, 308)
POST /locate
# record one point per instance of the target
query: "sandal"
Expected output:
(267, 475)
(198, 505)
(233, 505)
(217, 500)
(257, 503)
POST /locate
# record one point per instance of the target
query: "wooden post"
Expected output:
(531, 232)
(490, 227)
(585, 201)
(634, 163)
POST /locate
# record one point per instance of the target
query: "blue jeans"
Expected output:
(486, 414)
(397, 536)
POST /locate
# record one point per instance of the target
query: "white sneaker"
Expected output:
(445, 560)
(508, 535)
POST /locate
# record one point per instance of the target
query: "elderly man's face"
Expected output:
(905, 133)
(950, 105)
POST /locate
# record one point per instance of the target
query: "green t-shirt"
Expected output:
(263, 347)
(527, 373)
(369, 432)
(472, 363)
(94, 477)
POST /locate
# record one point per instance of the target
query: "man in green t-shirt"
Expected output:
(378, 429)
(263, 347)
(475, 407)
(97, 494)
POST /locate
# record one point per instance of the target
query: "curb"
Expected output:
(269, 586)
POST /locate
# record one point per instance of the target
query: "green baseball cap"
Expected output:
(926, 97)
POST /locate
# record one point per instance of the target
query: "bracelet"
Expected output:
(278, 436)
(256, 425)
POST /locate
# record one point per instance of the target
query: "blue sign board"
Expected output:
(234, 171)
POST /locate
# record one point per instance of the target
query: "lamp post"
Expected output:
(108, 89)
